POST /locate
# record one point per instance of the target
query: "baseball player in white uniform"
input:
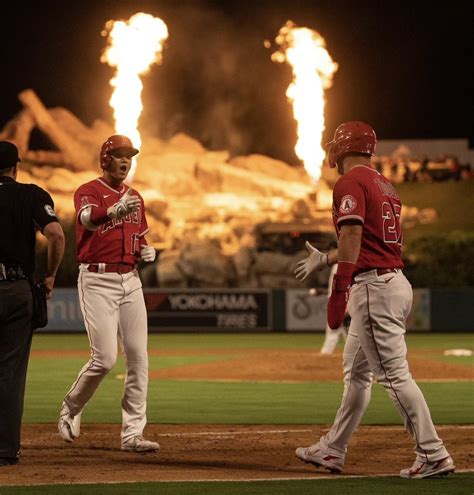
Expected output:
(110, 236)
(370, 282)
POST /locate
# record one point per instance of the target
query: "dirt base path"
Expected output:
(217, 452)
(299, 365)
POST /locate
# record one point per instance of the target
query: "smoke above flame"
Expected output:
(313, 69)
(133, 47)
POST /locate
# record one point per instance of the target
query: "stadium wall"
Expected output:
(262, 310)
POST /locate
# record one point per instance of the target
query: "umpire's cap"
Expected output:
(8, 155)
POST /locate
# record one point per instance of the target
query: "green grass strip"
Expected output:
(202, 402)
(455, 484)
(233, 341)
(173, 401)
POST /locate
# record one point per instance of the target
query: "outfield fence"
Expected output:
(261, 310)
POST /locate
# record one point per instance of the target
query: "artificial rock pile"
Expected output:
(207, 211)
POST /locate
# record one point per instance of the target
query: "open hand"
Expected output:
(315, 261)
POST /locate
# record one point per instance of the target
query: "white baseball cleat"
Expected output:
(421, 469)
(139, 444)
(313, 455)
(69, 426)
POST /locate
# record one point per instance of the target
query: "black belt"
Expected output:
(11, 273)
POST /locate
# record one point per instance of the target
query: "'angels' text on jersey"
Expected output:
(116, 241)
(130, 218)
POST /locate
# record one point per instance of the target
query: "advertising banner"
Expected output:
(305, 311)
(207, 309)
(64, 312)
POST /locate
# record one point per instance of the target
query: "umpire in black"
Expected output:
(24, 209)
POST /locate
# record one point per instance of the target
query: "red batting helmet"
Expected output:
(351, 137)
(114, 143)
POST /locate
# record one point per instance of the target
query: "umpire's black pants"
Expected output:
(16, 311)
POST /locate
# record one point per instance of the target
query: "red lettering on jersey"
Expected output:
(107, 226)
(391, 223)
(135, 244)
(387, 189)
(117, 241)
(130, 218)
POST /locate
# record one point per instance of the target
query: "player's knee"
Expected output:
(361, 380)
(136, 356)
(393, 377)
(395, 382)
(106, 362)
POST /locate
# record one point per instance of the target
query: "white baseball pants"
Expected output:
(375, 347)
(113, 307)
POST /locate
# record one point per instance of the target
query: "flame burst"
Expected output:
(313, 69)
(133, 47)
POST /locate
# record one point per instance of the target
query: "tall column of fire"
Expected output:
(313, 69)
(133, 47)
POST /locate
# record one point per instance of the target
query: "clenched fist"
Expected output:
(315, 261)
(125, 205)
(148, 254)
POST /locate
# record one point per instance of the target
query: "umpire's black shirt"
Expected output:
(24, 208)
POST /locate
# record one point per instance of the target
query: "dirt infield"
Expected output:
(304, 365)
(225, 452)
(203, 452)
(298, 365)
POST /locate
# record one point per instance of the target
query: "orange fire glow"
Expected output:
(133, 47)
(313, 69)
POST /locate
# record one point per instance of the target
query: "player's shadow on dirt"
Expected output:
(210, 464)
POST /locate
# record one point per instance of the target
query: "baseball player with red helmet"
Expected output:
(110, 237)
(370, 281)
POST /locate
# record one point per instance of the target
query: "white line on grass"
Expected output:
(231, 433)
(276, 432)
(235, 480)
(250, 380)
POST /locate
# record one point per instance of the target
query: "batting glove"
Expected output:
(125, 205)
(315, 261)
(148, 254)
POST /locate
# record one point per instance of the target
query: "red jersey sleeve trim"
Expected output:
(143, 233)
(350, 217)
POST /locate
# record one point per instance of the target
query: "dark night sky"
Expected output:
(403, 68)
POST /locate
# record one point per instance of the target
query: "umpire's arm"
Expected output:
(55, 236)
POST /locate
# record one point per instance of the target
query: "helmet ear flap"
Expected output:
(105, 161)
(331, 154)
